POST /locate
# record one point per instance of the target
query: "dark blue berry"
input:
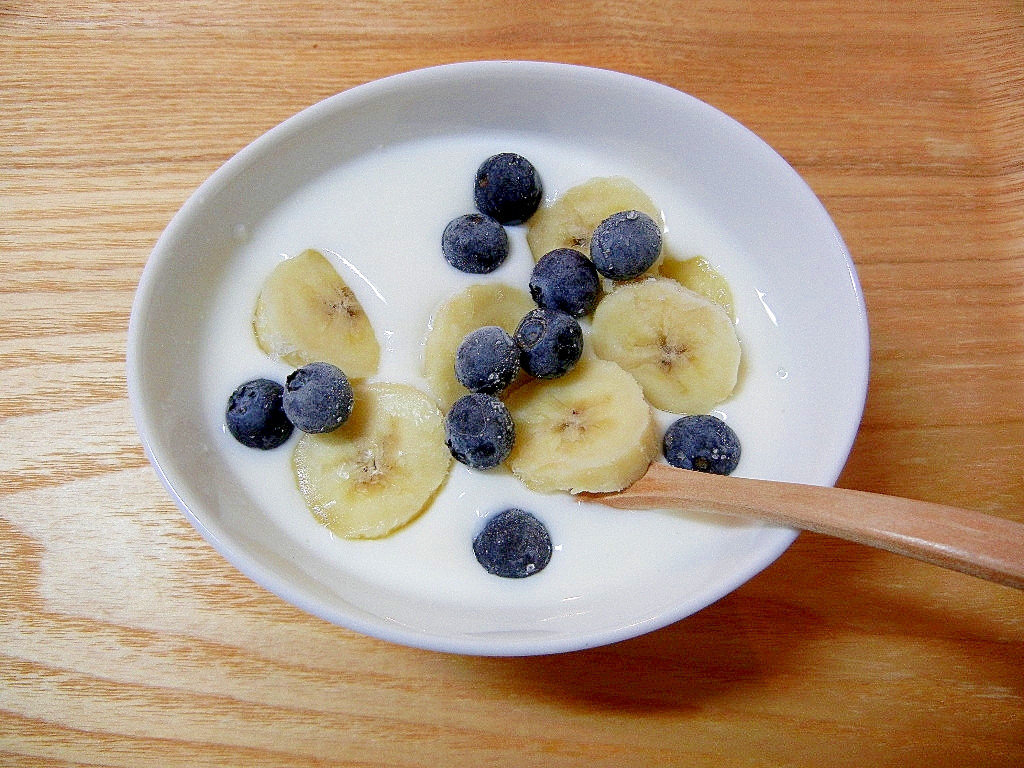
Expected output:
(513, 544)
(625, 245)
(474, 243)
(255, 415)
(508, 188)
(551, 342)
(318, 398)
(479, 431)
(565, 279)
(704, 443)
(487, 360)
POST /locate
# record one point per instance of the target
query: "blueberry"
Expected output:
(318, 398)
(487, 360)
(625, 245)
(474, 243)
(565, 279)
(479, 431)
(507, 188)
(704, 443)
(551, 342)
(513, 544)
(255, 415)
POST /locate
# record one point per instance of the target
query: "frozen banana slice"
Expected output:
(306, 313)
(590, 430)
(698, 275)
(478, 305)
(378, 470)
(570, 220)
(680, 347)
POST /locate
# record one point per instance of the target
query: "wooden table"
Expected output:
(128, 641)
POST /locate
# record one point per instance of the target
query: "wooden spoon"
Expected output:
(981, 545)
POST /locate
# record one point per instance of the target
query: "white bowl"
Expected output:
(370, 177)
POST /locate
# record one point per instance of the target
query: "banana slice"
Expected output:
(306, 313)
(379, 469)
(698, 275)
(590, 430)
(570, 221)
(478, 305)
(680, 347)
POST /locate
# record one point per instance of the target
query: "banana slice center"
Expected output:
(342, 302)
(672, 351)
(580, 240)
(573, 426)
(371, 466)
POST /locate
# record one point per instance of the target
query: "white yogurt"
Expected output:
(379, 219)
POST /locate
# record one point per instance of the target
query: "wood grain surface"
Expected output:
(126, 640)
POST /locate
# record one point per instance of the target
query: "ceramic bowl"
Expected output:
(370, 177)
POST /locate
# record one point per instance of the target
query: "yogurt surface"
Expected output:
(379, 219)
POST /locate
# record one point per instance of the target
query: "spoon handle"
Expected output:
(976, 543)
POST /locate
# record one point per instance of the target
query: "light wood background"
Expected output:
(127, 641)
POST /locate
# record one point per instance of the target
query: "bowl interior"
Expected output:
(801, 318)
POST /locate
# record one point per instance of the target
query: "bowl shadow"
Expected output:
(749, 636)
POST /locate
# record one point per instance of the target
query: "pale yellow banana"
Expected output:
(306, 313)
(474, 307)
(681, 347)
(590, 430)
(381, 468)
(570, 221)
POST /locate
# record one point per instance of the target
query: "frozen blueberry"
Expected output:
(625, 245)
(513, 544)
(507, 188)
(551, 342)
(702, 442)
(487, 360)
(479, 431)
(255, 415)
(318, 398)
(474, 243)
(565, 279)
